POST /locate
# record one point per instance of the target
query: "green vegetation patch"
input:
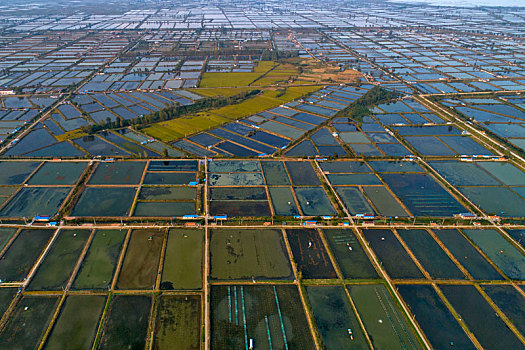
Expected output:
(234, 79)
(174, 129)
(373, 97)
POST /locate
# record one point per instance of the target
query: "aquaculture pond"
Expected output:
(384, 202)
(476, 265)
(314, 201)
(487, 326)
(283, 201)
(179, 323)
(384, 322)
(349, 254)
(140, 266)
(302, 174)
(240, 208)
(164, 209)
(500, 251)
(422, 195)
(57, 266)
(510, 301)
(58, 173)
(310, 254)
(433, 316)
(169, 178)
(267, 314)
(126, 325)
(19, 258)
(518, 235)
(77, 323)
(275, 173)
(6, 233)
(118, 173)
(6, 297)
(27, 325)
(391, 254)
(335, 318)
(105, 201)
(35, 201)
(355, 201)
(428, 252)
(167, 193)
(239, 254)
(183, 260)
(235, 179)
(99, 264)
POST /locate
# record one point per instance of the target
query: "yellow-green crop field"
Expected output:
(234, 79)
(172, 130)
(177, 128)
(225, 92)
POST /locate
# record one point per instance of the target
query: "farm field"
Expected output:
(184, 126)
(236, 79)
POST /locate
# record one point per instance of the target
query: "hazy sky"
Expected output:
(467, 3)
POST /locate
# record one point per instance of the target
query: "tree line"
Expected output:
(173, 111)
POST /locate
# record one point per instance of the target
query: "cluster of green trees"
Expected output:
(170, 112)
(361, 108)
(274, 55)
